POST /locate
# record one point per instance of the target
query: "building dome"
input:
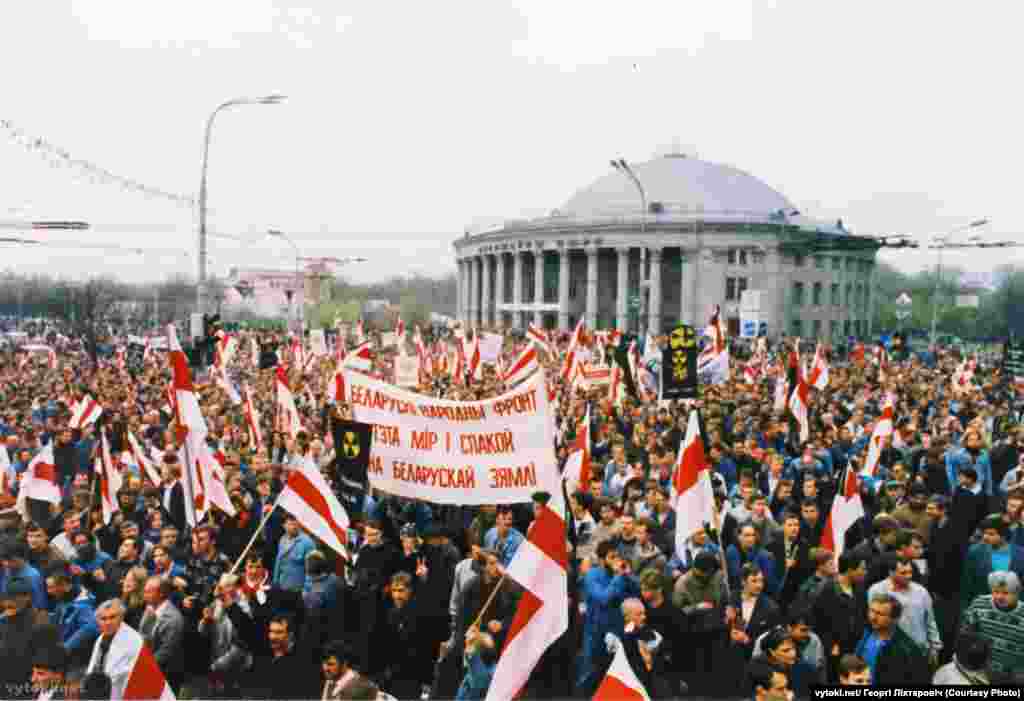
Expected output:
(679, 183)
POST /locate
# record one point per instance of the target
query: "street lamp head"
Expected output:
(271, 99)
(615, 164)
(275, 232)
(978, 222)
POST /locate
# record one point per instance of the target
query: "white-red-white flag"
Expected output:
(847, 508)
(616, 388)
(191, 428)
(525, 365)
(819, 370)
(572, 362)
(883, 430)
(360, 332)
(578, 466)
(210, 470)
(800, 402)
(252, 420)
(308, 497)
(692, 492)
(87, 411)
(110, 480)
(146, 466)
(537, 336)
(136, 675)
(359, 358)
(620, 683)
(287, 414)
(540, 567)
(39, 480)
(474, 366)
(336, 387)
(400, 332)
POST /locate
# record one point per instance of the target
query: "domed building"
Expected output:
(659, 243)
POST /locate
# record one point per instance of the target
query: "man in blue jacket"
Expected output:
(748, 551)
(972, 454)
(993, 554)
(13, 554)
(604, 590)
(74, 614)
(292, 549)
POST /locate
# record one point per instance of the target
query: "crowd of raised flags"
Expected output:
(541, 565)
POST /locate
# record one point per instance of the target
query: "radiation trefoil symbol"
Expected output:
(350, 445)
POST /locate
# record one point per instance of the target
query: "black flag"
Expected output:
(352, 441)
(622, 359)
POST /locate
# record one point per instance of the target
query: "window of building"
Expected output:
(858, 296)
(798, 260)
(798, 294)
(797, 327)
(837, 263)
(833, 329)
(835, 294)
(758, 257)
(574, 288)
(816, 298)
(743, 256)
(819, 262)
(731, 256)
(849, 266)
(816, 328)
(846, 327)
(857, 328)
(849, 293)
(730, 289)
(741, 286)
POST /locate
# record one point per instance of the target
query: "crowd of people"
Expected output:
(925, 589)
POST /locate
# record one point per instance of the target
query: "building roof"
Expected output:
(679, 183)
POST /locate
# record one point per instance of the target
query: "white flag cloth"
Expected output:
(620, 682)
(525, 365)
(308, 497)
(39, 480)
(358, 358)
(110, 480)
(146, 466)
(85, 412)
(692, 492)
(191, 427)
(287, 414)
(847, 508)
(883, 429)
(133, 671)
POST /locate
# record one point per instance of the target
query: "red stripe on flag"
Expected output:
(307, 491)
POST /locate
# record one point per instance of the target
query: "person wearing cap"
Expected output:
(23, 631)
(13, 556)
(49, 665)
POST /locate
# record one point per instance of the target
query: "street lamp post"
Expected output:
(298, 280)
(623, 167)
(942, 240)
(201, 282)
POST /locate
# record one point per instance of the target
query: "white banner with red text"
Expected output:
(498, 451)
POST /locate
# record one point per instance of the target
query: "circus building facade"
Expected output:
(654, 244)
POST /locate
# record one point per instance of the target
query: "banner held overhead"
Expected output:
(497, 451)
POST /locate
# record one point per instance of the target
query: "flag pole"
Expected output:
(255, 535)
(487, 603)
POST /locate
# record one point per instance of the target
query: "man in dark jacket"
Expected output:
(894, 659)
(375, 563)
(24, 630)
(289, 672)
(839, 611)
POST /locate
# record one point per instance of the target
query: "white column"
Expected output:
(478, 300)
(538, 286)
(654, 304)
(622, 298)
(460, 278)
(470, 299)
(685, 285)
(518, 318)
(872, 298)
(591, 309)
(499, 292)
(486, 297)
(564, 257)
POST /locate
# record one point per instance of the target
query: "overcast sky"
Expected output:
(407, 122)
